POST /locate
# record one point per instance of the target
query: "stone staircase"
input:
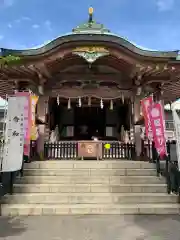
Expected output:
(89, 187)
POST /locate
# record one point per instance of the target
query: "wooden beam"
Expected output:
(41, 70)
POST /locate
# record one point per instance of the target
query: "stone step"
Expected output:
(91, 179)
(90, 164)
(79, 209)
(87, 198)
(89, 172)
(94, 188)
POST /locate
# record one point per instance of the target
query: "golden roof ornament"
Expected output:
(91, 10)
(91, 26)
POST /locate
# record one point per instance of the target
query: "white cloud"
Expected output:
(165, 5)
(8, 3)
(35, 26)
(26, 19)
(9, 25)
(48, 25)
(19, 20)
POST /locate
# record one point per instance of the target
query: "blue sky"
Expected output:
(153, 24)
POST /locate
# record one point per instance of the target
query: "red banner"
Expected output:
(146, 103)
(157, 125)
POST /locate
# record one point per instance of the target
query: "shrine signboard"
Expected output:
(25, 97)
(89, 149)
(12, 156)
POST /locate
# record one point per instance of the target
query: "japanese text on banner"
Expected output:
(146, 103)
(157, 124)
(27, 120)
(14, 135)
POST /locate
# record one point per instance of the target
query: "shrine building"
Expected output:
(90, 83)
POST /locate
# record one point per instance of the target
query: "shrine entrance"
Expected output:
(89, 122)
(105, 120)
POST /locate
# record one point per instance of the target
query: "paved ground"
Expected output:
(91, 228)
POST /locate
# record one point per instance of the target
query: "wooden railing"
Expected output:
(69, 150)
(60, 150)
(118, 150)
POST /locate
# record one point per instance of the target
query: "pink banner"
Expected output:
(27, 121)
(157, 125)
(146, 103)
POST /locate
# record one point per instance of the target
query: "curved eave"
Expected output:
(172, 55)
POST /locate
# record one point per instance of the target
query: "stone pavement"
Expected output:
(90, 228)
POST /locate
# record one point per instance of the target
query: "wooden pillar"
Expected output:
(137, 131)
(41, 114)
(137, 108)
(131, 119)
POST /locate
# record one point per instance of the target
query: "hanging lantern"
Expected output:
(111, 105)
(89, 101)
(101, 104)
(58, 101)
(69, 104)
(79, 102)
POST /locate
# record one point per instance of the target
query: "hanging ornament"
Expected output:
(89, 101)
(122, 97)
(79, 102)
(58, 101)
(69, 104)
(46, 109)
(101, 104)
(132, 107)
(111, 105)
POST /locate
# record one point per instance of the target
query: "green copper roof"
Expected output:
(91, 27)
(178, 57)
(91, 37)
(89, 32)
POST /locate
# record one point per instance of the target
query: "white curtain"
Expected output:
(54, 137)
